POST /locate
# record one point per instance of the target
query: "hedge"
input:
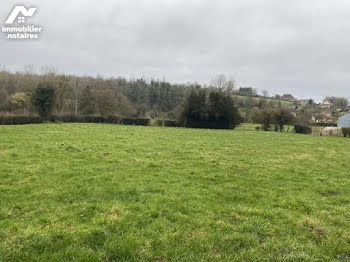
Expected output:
(210, 124)
(77, 119)
(300, 129)
(346, 131)
(135, 121)
(171, 123)
(19, 120)
(167, 122)
(324, 124)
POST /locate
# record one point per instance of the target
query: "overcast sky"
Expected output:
(291, 46)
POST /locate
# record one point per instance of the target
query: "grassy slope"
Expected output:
(257, 99)
(93, 192)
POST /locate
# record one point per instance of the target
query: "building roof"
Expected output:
(327, 102)
(344, 121)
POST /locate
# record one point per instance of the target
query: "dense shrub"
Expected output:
(113, 120)
(301, 129)
(263, 117)
(158, 122)
(171, 123)
(214, 111)
(19, 120)
(166, 122)
(346, 131)
(43, 99)
(93, 119)
(324, 124)
(211, 124)
(84, 119)
(135, 121)
(282, 117)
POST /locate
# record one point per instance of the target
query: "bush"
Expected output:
(158, 122)
(282, 117)
(84, 119)
(324, 124)
(215, 111)
(301, 129)
(19, 120)
(43, 99)
(346, 131)
(93, 119)
(168, 123)
(135, 121)
(171, 123)
(210, 124)
(263, 117)
(113, 120)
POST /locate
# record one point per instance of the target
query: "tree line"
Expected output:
(93, 95)
(141, 98)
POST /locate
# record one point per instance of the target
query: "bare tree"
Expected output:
(29, 69)
(219, 81)
(265, 93)
(223, 83)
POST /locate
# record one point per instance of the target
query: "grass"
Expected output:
(257, 99)
(287, 128)
(94, 192)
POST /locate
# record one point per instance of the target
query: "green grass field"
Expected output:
(95, 192)
(257, 99)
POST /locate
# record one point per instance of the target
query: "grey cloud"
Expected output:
(292, 46)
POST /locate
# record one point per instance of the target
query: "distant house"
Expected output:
(246, 91)
(326, 104)
(306, 101)
(288, 97)
(344, 121)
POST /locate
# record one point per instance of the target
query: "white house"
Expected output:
(344, 121)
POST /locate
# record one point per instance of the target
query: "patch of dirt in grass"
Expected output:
(313, 229)
(329, 193)
(345, 257)
(72, 149)
(106, 154)
(311, 225)
(152, 165)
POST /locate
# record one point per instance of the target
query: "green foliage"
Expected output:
(196, 106)
(43, 99)
(263, 117)
(135, 121)
(19, 120)
(301, 129)
(266, 117)
(166, 122)
(92, 192)
(215, 111)
(282, 117)
(11, 120)
(346, 131)
(21, 101)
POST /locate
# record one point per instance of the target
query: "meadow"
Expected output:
(102, 192)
